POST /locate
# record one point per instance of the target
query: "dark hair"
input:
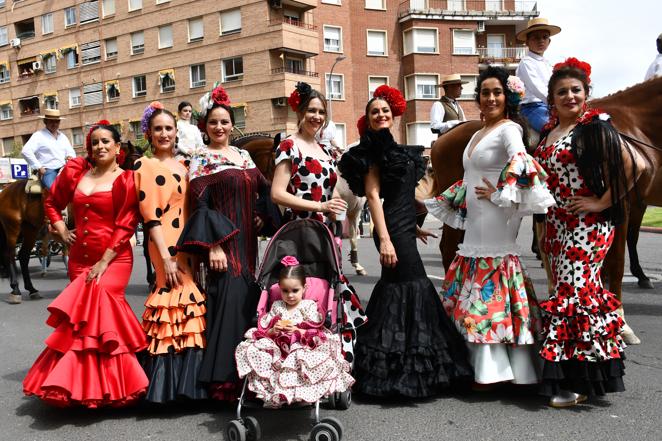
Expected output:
(203, 121)
(293, 272)
(562, 73)
(511, 104)
(113, 131)
(184, 104)
(305, 102)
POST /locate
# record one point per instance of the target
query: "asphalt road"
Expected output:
(509, 413)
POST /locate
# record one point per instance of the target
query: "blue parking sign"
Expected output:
(19, 171)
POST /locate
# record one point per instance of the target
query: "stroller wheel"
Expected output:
(344, 400)
(253, 428)
(335, 422)
(236, 431)
(324, 432)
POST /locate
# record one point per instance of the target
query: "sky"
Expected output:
(617, 37)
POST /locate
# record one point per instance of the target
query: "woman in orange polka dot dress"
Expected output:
(174, 316)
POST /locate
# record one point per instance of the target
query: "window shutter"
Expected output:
(108, 7)
(165, 36)
(463, 42)
(230, 21)
(375, 4)
(92, 94)
(90, 52)
(426, 40)
(376, 43)
(89, 11)
(195, 29)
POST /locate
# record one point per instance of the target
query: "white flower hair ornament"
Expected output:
(218, 95)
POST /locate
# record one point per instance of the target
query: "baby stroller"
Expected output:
(314, 246)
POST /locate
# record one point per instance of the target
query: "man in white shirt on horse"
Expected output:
(655, 69)
(534, 70)
(447, 113)
(48, 149)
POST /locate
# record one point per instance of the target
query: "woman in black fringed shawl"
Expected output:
(589, 171)
(222, 230)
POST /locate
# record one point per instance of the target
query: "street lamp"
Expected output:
(339, 58)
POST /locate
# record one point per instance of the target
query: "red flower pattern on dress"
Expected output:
(316, 192)
(314, 166)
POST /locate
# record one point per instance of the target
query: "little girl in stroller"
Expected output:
(291, 357)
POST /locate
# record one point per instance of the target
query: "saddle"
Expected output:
(33, 186)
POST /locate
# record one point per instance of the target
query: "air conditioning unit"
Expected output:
(15, 42)
(481, 26)
(276, 3)
(279, 102)
(37, 65)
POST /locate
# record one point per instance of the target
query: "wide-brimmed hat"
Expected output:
(52, 114)
(447, 80)
(538, 24)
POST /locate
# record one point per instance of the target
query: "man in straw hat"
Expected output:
(447, 113)
(48, 149)
(655, 69)
(534, 71)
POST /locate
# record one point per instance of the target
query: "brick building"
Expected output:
(110, 58)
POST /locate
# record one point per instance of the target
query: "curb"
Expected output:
(657, 230)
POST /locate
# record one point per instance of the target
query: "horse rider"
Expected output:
(48, 149)
(655, 69)
(534, 70)
(447, 113)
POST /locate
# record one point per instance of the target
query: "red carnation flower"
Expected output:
(294, 100)
(314, 166)
(393, 97)
(362, 125)
(220, 96)
(286, 145)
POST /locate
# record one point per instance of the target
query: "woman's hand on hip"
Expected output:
(387, 256)
(97, 271)
(485, 192)
(218, 261)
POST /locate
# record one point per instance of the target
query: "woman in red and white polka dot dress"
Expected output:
(589, 173)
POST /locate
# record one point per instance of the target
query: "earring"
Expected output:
(584, 107)
(205, 138)
(482, 116)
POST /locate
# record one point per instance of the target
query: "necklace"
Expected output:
(95, 171)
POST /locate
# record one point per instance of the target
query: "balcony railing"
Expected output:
(293, 22)
(307, 73)
(501, 54)
(463, 7)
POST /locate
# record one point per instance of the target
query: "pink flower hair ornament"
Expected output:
(289, 261)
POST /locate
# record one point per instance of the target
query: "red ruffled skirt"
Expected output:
(90, 358)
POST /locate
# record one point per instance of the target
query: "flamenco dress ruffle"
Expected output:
(90, 357)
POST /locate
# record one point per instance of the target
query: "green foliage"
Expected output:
(143, 145)
(653, 217)
(15, 152)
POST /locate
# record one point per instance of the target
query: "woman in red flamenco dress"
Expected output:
(90, 358)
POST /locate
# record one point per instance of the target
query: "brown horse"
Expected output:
(636, 114)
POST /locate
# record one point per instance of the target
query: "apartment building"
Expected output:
(110, 58)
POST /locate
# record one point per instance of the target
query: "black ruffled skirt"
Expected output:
(583, 377)
(174, 376)
(409, 347)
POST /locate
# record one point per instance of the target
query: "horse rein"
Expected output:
(639, 141)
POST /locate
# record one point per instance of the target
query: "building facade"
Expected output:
(110, 58)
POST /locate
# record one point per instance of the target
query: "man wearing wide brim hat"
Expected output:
(655, 69)
(48, 149)
(534, 71)
(447, 113)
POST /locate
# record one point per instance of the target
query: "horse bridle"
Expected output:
(639, 141)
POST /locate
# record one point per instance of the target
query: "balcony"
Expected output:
(484, 10)
(302, 4)
(501, 55)
(293, 22)
(280, 70)
(24, 29)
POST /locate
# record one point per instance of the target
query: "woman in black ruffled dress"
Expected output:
(408, 347)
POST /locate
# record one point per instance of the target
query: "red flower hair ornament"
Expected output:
(218, 96)
(394, 99)
(574, 62)
(301, 91)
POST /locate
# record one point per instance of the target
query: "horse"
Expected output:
(261, 147)
(636, 114)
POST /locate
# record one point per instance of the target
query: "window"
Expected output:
(421, 41)
(239, 116)
(331, 2)
(456, 5)
(294, 65)
(464, 42)
(92, 94)
(89, 11)
(167, 80)
(158, 2)
(50, 63)
(25, 29)
(6, 112)
(139, 86)
(29, 105)
(111, 48)
(375, 4)
(341, 135)
(112, 90)
(377, 43)
(419, 87)
(198, 77)
(4, 73)
(419, 133)
(165, 36)
(135, 5)
(137, 43)
(375, 82)
(469, 89)
(4, 37)
(230, 21)
(7, 143)
(107, 7)
(137, 130)
(332, 39)
(69, 17)
(47, 24)
(50, 101)
(90, 53)
(493, 5)
(72, 58)
(233, 69)
(77, 137)
(74, 97)
(196, 29)
(335, 86)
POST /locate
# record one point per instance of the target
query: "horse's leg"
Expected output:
(613, 269)
(44, 252)
(29, 240)
(8, 238)
(450, 239)
(353, 218)
(634, 223)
